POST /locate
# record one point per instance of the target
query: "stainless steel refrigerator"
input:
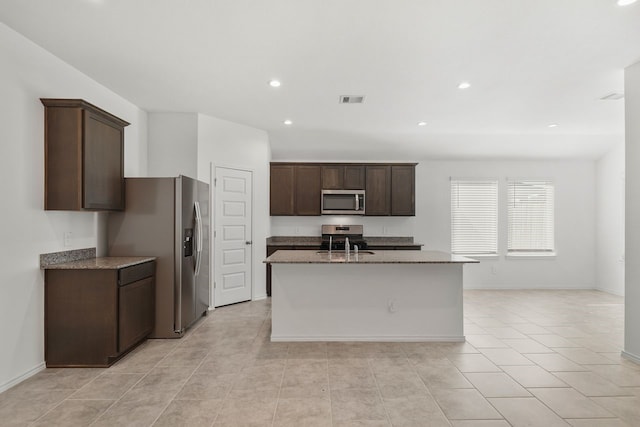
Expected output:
(168, 218)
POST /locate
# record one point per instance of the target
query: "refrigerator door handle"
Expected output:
(199, 237)
(177, 295)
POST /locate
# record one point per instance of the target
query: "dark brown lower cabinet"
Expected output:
(136, 316)
(94, 317)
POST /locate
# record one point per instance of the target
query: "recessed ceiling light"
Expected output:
(625, 2)
(422, 123)
(274, 83)
(552, 125)
(464, 85)
(288, 122)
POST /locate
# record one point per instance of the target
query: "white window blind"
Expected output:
(530, 214)
(474, 216)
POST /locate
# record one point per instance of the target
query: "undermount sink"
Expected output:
(343, 252)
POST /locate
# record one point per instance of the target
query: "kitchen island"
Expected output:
(371, 296)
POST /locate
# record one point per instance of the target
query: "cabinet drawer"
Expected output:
(135, 273)
(136, 312)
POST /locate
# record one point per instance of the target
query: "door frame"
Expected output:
(214, 222)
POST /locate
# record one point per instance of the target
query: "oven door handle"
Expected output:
(357, 202)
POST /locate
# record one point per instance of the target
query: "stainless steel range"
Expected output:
(334, 237)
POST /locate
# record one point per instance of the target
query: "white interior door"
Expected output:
(232, 237)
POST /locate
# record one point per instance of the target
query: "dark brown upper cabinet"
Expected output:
(281, 191)
(354, 177)
(332, 177)
(296, 187)
(378, 190)
(307, 197)
(403, 192)
(84, 157)
(343, 177)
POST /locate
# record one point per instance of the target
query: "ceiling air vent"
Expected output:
(351, 99)
(613, 96)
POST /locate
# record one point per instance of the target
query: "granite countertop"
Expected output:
(316, 241)
(377, 257)
(102, 263)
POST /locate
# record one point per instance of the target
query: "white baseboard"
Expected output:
(611, 291)
(259, 297)
(631, 357)
(370, 338)
(527, 288)
(31, 372)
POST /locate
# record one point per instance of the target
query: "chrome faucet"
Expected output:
(346, 246)
(330, 243)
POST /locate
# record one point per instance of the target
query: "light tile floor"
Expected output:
(532, 358)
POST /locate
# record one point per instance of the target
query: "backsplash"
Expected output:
(66, 256)
(373, 226)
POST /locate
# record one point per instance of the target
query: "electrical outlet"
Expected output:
(385, 230)
(494, 270)
(66, 237)
(297, 230)
(392, 305)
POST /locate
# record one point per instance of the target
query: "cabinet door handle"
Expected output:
(248, 242)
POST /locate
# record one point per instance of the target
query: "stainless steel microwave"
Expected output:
(343, 202)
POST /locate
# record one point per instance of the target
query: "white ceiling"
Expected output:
(530, 63)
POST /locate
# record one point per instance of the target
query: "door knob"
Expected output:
(248, 242)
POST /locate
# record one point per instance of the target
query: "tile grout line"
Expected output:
(64, 400)
(129, 389)
(183, 385)
(375, 379)
(275, 410)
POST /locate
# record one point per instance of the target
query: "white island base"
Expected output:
(367, 302)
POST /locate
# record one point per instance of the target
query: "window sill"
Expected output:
(480, 256)
(531, 255)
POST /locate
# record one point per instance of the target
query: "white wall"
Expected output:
(228, 144)
(28, 73)
(173, 144)
(610, 221)
(632, 212)
(574, 266)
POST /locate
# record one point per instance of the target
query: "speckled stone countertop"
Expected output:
(102, 263)
(316, 241)
(372, 257)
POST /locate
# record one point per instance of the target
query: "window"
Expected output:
(474, 217)
(530, 214)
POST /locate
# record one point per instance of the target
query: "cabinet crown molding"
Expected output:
(81, 103)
